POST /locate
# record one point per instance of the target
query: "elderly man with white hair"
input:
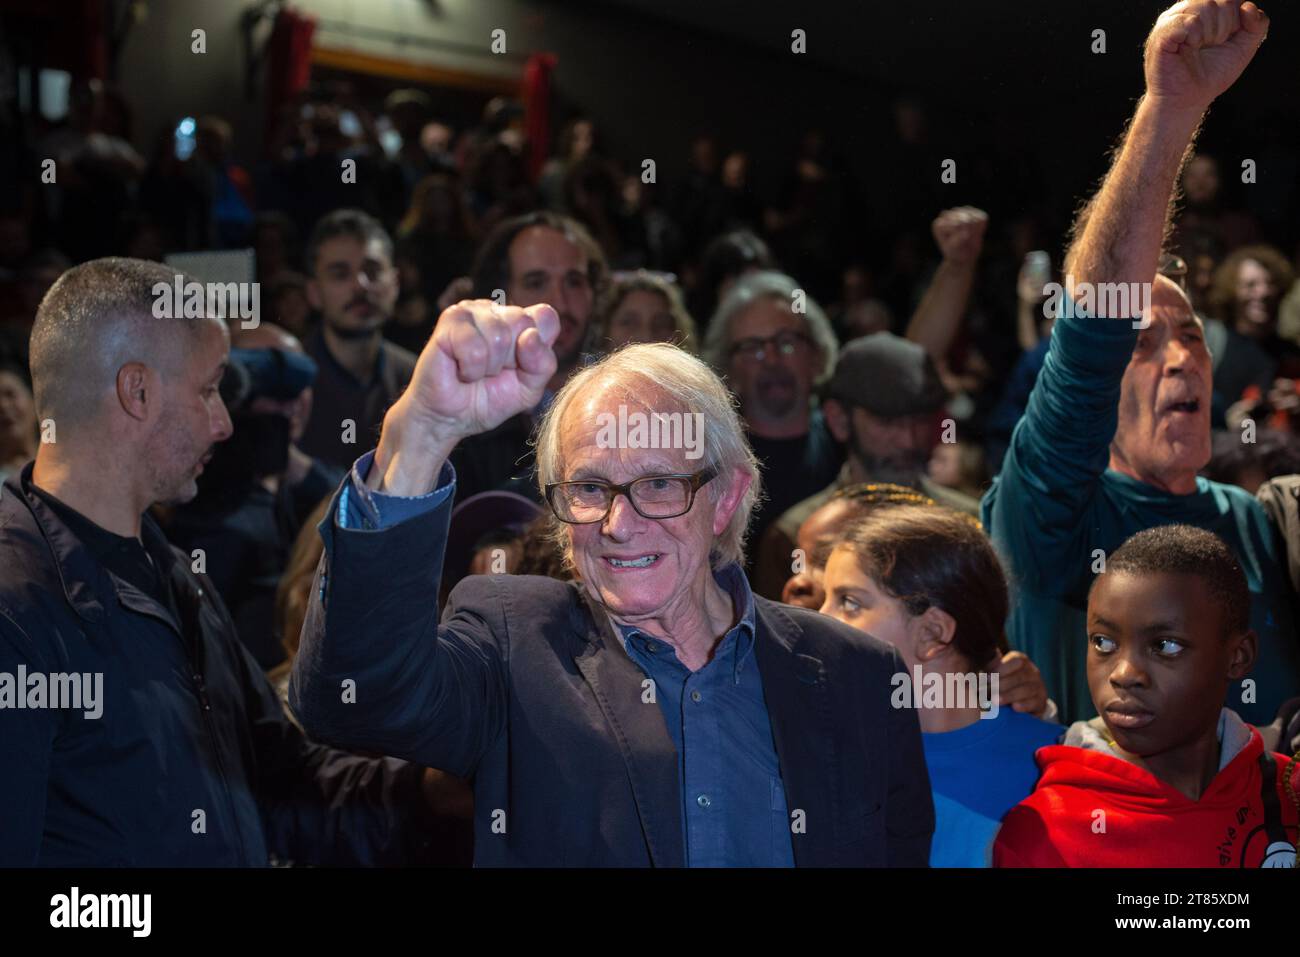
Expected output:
(654, 712)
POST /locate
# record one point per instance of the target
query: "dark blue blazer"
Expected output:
(525, 687)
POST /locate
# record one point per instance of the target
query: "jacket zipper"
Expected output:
(200, 689)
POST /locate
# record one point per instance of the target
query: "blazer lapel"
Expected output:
(799, 707)
(641, 734)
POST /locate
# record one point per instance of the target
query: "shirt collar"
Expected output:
(740, 636)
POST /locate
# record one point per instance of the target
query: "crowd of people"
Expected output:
(281, 544)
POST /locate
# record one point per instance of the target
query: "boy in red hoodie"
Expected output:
(1166, 776)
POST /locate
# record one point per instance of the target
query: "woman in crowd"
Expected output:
(646, 307)
(927, 580)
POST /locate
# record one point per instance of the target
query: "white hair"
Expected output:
(769, 284)
(662, 368)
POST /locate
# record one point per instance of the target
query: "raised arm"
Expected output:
(959, 234)
(375, 671)
(1195, 51)
(1062, 445)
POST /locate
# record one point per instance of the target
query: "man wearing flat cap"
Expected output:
(884, 403)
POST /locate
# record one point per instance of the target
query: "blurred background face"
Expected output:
(1256, 300)
(641, 316)
(678, 548)
(1201, 181)
(945, 465)
(193, 417)
(297, 410)
(735, 171)
(894, 449)
(1164, 408)
(546, 266)
(584, 137)
(780, 382)
(17, 417)
(1158, 659)
(435, 138)
(292, 310)
(805, 588)
(704, 155)
(855, 598)
(355, 286)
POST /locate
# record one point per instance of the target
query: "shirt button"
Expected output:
(651, 647)
(696, 696)
(703, 800)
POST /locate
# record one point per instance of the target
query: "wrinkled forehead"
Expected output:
(599, 429)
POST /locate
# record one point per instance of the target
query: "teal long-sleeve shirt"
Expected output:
(1056, 503)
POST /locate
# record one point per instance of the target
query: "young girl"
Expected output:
(926, 580)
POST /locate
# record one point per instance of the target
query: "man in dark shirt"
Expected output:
(884, 404)
(185, 756)
(137, 561)
(773, 344)
(354, 287)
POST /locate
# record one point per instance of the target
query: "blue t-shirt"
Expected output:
(977, 774)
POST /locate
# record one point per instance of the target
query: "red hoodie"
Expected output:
(1093, 809)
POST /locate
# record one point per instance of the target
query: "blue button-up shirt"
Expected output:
(733, 801)
(734, 810)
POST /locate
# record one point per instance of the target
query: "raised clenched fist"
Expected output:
(1198, 48)
(483, 364)
(959, 233)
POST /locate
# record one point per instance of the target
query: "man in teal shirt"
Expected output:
(1118, 424)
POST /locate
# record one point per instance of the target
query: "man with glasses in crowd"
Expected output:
(773, 345)
(652, 712)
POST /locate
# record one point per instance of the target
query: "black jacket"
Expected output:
(525, 687)
(193, 760)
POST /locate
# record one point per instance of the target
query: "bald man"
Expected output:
(134, 729)
(1118, 424)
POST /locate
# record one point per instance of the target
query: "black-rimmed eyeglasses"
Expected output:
(653, 496)
(755, 348)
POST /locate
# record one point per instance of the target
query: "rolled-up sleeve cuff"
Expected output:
(361, 507)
